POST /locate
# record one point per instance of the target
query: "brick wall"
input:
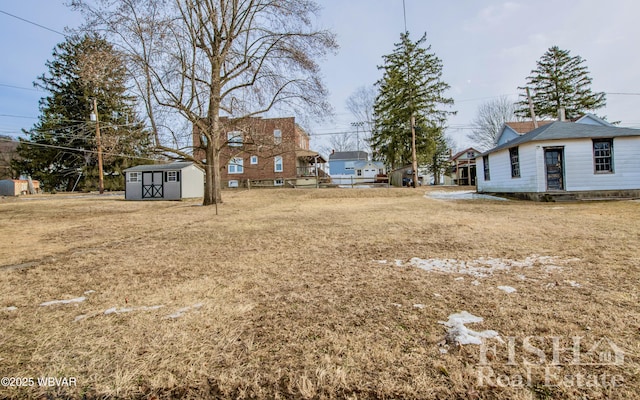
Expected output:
(258, 140)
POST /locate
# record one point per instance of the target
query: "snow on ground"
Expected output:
(10, 308)
(507, 289)
(54, 302)
(458, 333)
(481, 267)
(114, 310)
(461, 195)
(179, 313)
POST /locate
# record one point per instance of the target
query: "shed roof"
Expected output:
(567, 130)
(161, 167)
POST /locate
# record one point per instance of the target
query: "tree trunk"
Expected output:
(212, 194)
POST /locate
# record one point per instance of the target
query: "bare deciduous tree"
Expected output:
(360, 104)
(201, 60)
(491, 117)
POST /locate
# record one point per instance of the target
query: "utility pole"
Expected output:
(533, 113)
(99, 145)
(414, 156)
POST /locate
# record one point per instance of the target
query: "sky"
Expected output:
(487, 47)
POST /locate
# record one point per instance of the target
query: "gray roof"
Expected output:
(175, 166)
(349, 155)
(566, 130)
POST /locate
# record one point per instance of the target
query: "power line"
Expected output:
(28, 143)
(33, 23)
(20, 87)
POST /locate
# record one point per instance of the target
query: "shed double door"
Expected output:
(152, 185)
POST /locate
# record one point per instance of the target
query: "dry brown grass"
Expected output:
(294, 304)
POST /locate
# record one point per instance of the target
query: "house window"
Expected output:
(603, 155)
(277, 164)
(485, 166)
(172, 176)
(277, 136)
(236, 165)
(254, 160)
(234, 139)
(133, 176)
(359, 172)
(278, 182)
(515, 162)
(233, 184)
(471, 154)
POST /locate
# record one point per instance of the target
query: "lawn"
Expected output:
(314, 294)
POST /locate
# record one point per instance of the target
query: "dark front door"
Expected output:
(553, 160)
(152, 185)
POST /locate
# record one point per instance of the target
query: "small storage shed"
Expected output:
(175, 181)
(16, 187)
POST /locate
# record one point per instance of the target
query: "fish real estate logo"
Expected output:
(551, 361)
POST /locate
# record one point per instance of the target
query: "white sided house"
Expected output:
(589, 158)
(175, 181)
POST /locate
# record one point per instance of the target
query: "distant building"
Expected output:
(175, 181)
(17, 187)
(266, 152)
(354, 167)
(585, 158)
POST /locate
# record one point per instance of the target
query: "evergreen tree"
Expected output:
(411, 85)
(61, 149)
(560, 80)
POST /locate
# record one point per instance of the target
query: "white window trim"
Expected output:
(278, 182)
(254, 160)
(277, 136)
(235, 139)
(276, 163)
(130, 176)
(172, 176)
(236, 166)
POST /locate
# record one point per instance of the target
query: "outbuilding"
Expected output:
(585, 159)
(175, 181)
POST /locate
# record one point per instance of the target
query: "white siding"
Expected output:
(579, 172)
(500, 171)
(579, 168)
(192, 182)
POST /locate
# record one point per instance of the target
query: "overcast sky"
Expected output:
(488, 48)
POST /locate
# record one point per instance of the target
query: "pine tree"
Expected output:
(61, 149)
(560, 80)
(411, 85)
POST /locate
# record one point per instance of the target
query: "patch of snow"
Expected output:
(10, 308)
(475, 282)
(521, 277)
(180, 312)
(573, 284)
(420, 306)
(89, 291)
(460, 334)
(483, 267)
(437, 294)
(461, 195)
(507, 289)
(115, 310)
(54, 302)
(380, 261)
(459, 279)
(396, 305)
(80, 317)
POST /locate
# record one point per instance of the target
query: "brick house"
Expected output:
(266, 152)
